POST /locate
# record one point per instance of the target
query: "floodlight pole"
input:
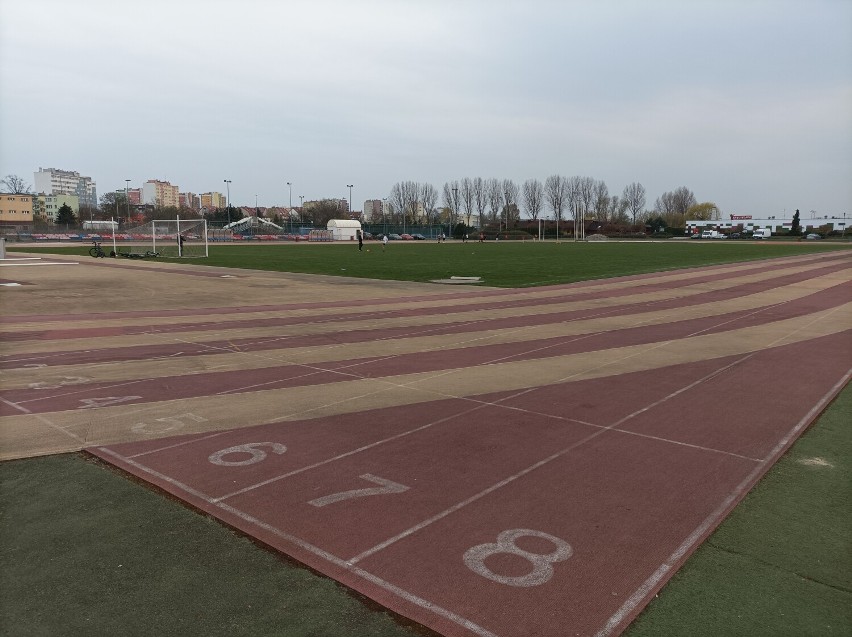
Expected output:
(290, 209)
(228, 200)
(127, 199)
(350, 199)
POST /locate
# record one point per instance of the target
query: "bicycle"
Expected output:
(96, 250)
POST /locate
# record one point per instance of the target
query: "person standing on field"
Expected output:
(384, 242)
(360, 240)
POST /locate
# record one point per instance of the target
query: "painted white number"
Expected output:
(257, 455)
(542, 569)
(168, 424)
(91, 403)
(386, 487)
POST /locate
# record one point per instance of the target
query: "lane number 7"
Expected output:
(385, 487)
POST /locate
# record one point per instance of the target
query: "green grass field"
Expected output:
(506, 264)
(86, 551)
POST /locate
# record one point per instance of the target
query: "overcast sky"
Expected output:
(747, 103)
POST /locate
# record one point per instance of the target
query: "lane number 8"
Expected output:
(542, 564)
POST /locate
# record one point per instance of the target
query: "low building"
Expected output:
(16, 211)
(46, 206)
(344, 229)
(775, 223)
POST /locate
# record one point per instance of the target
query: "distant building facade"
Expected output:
(46, 207)
(212, 201)
(16, 211)
(161, 194)
(190, 200)
(52, 181)
(373, 210)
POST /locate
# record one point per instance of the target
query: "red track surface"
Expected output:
(551, 508)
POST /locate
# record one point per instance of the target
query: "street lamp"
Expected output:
(350, 198)
(126, 199)
(290, 210)
(455, 205)
(228, 200)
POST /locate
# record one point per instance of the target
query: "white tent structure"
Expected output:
(344, 229)
(253, 223)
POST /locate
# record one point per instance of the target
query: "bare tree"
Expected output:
(600, 197)
(451, 201)
(664, 204)
(634, 199)
(15, 185)
(676, 202)
(480, 199)
(617, 212)
(683, 200)
(556, 193)
(403, 198)
(533, 194)
(510, 200)
(428, 196)
(466, 192)
(494, 194)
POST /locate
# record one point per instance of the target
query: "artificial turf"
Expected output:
(86, 551)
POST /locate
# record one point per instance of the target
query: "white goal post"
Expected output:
(171, 238)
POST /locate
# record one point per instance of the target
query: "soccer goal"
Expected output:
(172, 238)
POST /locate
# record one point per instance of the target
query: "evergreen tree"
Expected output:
(65, 216)
(796, 228)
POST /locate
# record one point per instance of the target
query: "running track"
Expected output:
(486, 462)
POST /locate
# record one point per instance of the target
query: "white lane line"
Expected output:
(306, 546)
(7, 263)
(523, 472)
(716, 517)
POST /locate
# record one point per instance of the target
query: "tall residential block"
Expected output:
(212, 201)
(52, 181)
(160, 194)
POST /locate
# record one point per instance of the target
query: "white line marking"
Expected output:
(315, 550)
(460, 505)
(6, 263)
(717, 515)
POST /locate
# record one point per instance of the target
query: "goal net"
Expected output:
(171, 238)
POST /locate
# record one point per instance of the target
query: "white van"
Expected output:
(761, 233)
(709, 234)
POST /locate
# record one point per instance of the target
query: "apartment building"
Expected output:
(16, 211)
(52, 181)
(190, 200)
(46, 207)
(160, 194)
(212, 200)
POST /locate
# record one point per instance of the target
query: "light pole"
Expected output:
(290, 210)
(127, 199)
(228, 199)
(350, 198)
(455, 204)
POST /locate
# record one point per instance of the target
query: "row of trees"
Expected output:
(501, 202)
(493, 201)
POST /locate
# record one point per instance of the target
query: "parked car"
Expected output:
(813, 236)
(394, 237)
(418, 237)
(406, 237)
(735, 235)
(368, 236)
